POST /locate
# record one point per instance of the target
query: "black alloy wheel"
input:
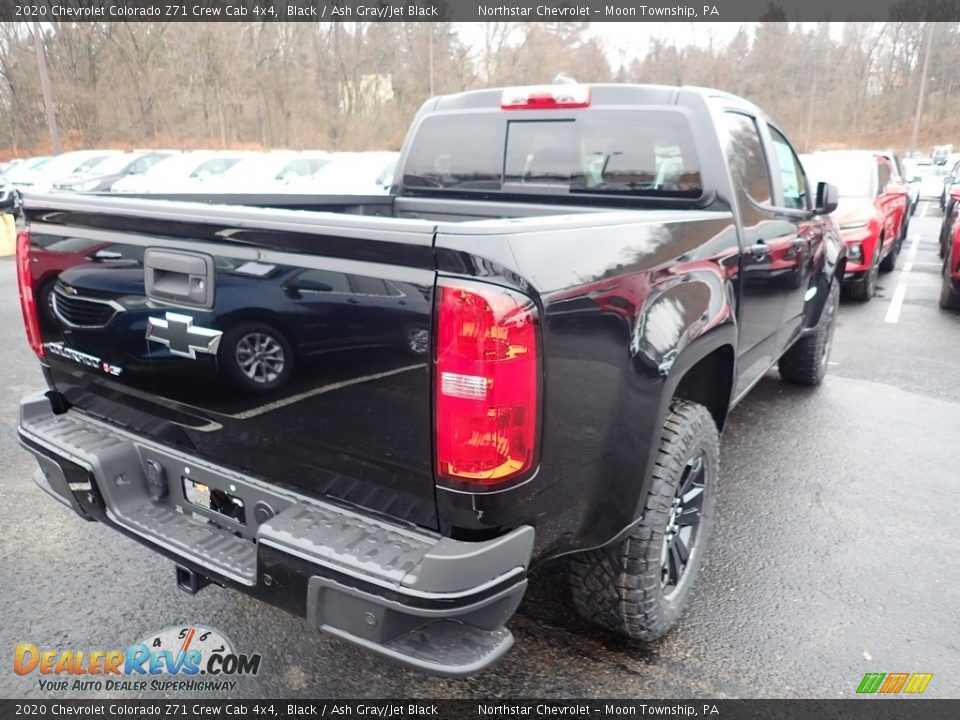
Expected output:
(683, 525)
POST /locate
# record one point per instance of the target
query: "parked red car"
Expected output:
(950, 289)
(47, 261)
(873, 201)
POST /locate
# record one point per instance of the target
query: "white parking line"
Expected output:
(893, 312)
(911, 254)
(896, 303)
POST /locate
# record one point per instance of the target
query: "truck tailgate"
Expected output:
(293, 345)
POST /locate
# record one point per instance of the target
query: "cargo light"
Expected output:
(28, 301)
(487, 395)
(539, 97)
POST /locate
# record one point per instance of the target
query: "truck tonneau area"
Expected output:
(447, 599)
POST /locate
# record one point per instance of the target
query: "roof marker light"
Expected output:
(538, 97)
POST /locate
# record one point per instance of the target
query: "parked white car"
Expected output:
(184, 173)
(23, 171)
(369, 173)
(7, 167)
(41, 175)
(268, 172)
(103, 176)
(931, 179)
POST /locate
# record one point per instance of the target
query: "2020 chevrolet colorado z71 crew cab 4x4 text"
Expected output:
(381, 412)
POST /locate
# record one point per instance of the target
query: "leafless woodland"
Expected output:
(357, 85)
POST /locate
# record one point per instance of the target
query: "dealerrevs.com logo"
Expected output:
(189, 659)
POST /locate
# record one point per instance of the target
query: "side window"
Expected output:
(215, 166)
(748, 165)
(314, 164)
(372, 286)
(296, 168)
(145, 163)
(203, 169)
(898, 169)
(315, 279)
(791, 173)
(883, 177)
(87, 165)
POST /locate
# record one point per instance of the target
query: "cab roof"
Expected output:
(600, 94)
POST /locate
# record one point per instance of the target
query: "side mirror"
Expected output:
(828, 197)
(7, 200)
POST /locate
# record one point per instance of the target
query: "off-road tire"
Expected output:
(805, 363)
(618, 587)
(890, 261)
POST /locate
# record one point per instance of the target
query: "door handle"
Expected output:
(759, 250)
(353, 301)
(179, 277)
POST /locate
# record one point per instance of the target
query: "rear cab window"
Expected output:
(648, 152)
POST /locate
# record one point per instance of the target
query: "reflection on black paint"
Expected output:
(358, 346)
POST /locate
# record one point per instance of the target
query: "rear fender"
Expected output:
(683, 321)
(697, 350)
(676, 314)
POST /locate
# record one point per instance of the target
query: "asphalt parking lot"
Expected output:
(835, 552)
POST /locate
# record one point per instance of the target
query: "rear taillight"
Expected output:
(28, 302)
(486, 383)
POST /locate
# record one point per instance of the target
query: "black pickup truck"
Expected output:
(381, 412)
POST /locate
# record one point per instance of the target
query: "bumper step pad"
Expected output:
(205, 544)
(348, 540)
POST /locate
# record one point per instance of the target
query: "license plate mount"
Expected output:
(218, 501)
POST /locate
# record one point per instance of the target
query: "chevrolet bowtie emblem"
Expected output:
(179, 334)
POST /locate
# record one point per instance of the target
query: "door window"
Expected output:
(883, 176)
(792, 179)
(748, 164)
